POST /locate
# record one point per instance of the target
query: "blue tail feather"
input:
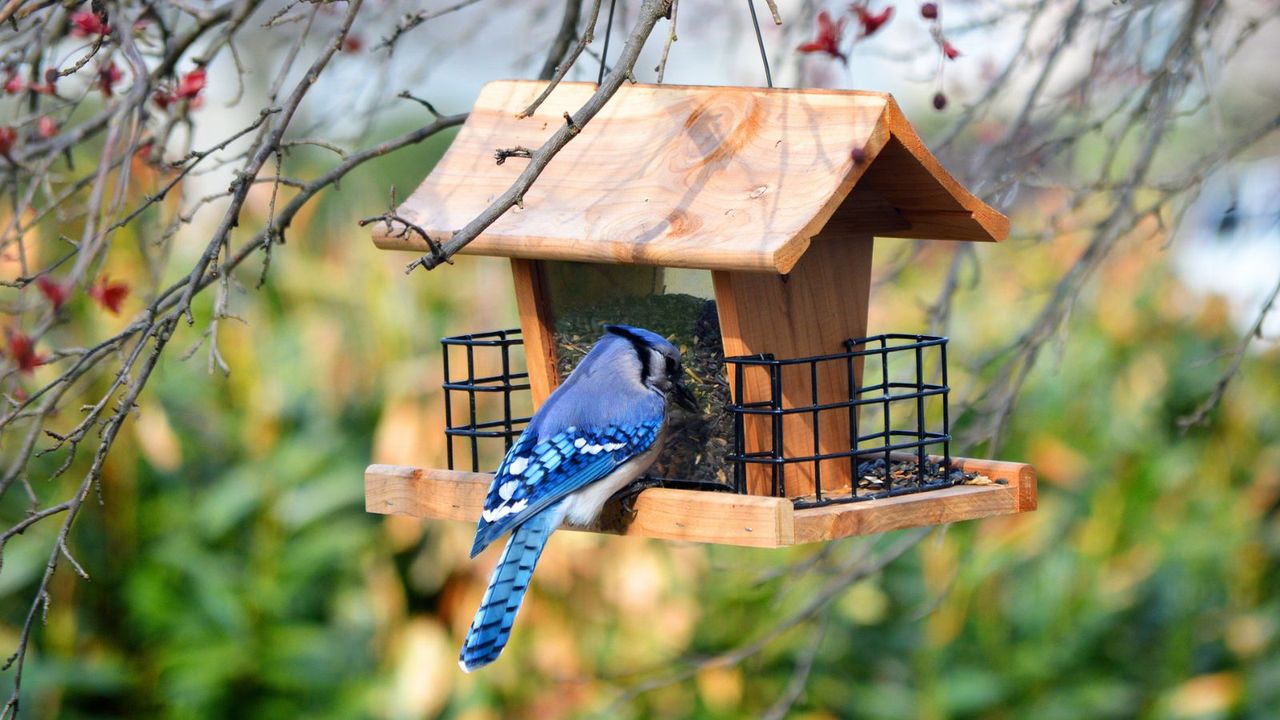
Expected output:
(492, 624)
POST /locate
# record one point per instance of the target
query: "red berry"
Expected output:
(929, 11)
(939, 101)
(46, 127)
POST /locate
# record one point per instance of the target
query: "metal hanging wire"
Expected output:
(608, 31)
(764, 57)
(755, 22)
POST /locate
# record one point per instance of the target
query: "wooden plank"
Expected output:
(536, 326)
(661, 513)
(1018, 475)
(811, 311)
(935, 507)
(707, 517)
(702, 177)
(722, 518)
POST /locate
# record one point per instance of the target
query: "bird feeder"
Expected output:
(739, 222)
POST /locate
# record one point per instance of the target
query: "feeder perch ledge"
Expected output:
(722, 518)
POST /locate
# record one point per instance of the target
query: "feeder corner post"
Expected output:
(811, 310)
(537, 326)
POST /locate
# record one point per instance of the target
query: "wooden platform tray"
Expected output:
(723, 518)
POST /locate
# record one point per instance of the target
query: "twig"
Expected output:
(1201, 413)
(800, 674)
(650, 12)
(563, 68)
(773, 10)
(501, 155)
(391, 219)
(413, 20)
(671, 38)
(410, 96)
(564, 36)
(859, 568)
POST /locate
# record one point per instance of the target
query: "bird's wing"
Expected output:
(537, 473)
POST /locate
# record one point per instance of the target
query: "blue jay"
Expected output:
(596, 433)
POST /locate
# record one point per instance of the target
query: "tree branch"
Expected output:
(650, 12)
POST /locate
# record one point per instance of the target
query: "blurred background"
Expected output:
(235, 573)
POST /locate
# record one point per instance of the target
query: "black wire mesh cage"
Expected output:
(494, 396)
(893, 397)
(894, 417)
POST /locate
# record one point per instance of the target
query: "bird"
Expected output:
(595, 434)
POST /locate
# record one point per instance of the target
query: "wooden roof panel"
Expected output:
(715, 178)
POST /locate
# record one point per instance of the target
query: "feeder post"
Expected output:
(537, 326)
(810, 311)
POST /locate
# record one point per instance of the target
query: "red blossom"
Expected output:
(46, 127)
(929, 11)
(108, 76)
(54, 292)
(23, 351)
(8, 136)
(88, 23)
(827, 39)
(13, 84)
(109, 295)
(190, 85)
(353, 44)
(950, 50)
(871, 22)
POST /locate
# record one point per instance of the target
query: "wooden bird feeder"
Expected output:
(778, 194)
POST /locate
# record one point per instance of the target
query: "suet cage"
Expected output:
(739, 223)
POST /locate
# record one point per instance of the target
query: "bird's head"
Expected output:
(660, 367)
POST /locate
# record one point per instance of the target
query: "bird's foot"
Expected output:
(626, 497)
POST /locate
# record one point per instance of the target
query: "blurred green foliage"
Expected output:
(236, 574)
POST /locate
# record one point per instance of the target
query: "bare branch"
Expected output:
(560, 45)
(650, 12)
(1201, 413)
(563, 68)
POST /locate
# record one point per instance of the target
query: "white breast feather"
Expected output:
(584, 506)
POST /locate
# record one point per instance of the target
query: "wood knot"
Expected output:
(721, 126)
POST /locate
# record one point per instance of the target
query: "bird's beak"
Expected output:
(682, 396)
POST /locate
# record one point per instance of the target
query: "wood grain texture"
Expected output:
(745, 520)
(935, 507)
(536, 327)
(661, 513)
(811, 311)
(703, 177)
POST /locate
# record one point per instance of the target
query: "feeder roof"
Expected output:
(717, 178)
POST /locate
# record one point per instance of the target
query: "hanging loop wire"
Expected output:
(755, 22)
(608, 30)
(764, 57)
